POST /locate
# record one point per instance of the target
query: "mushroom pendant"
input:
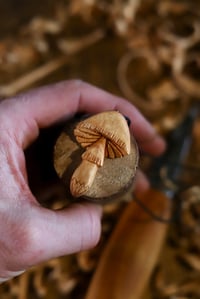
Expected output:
(105, 135)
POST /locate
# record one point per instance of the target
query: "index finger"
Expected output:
(63, 100)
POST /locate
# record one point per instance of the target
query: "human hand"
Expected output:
(30, 233)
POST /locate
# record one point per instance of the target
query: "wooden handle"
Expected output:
(132, 251)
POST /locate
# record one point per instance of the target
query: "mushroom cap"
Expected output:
(111, 125)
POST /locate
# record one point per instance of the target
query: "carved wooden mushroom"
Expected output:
(78, 145)
(103, 135)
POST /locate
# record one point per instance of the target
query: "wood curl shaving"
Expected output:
(145, 30)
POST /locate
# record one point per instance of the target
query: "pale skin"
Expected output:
(29, 233)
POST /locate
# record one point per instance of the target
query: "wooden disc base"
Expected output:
(112, 179)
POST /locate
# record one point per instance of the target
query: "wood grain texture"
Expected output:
(130, 256)
(114, 178)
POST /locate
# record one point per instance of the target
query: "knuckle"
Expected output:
(19, 241)
(92, 229)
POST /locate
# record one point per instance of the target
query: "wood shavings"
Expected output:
(185, 288)
(180, 58)
(40, 26)
(176, 38)
(184, 253)
(188, 81)
(166, 35)
(191, 196)
(123, 15)
(84, 8)
(193, 260)
(165, 91)
(170, 7)
(86, 260)
(16, 55)
(125, 86)
(39, 73)
(18, 287)
(72, 46)
(27, 80)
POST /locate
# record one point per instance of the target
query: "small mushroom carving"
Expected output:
(104, 135)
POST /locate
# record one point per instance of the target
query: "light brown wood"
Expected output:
(129, 258)
(113, 178)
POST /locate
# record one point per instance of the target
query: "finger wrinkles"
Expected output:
(15, 238)
(91, 225)
(12, 170)
(16, 124)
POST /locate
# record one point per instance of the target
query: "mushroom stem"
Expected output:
(83, 178)
(105, 134)
(84, 175)
(95, 153)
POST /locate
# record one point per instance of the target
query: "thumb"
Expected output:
(48, 234)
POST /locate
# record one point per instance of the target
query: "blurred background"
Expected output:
(147, 51)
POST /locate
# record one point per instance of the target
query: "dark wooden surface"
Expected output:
(98, 65)
(14, 13)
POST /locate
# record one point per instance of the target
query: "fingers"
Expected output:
(33, 234)
(47, 105)
(141, 182)
(58, 233)
(40, 234)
